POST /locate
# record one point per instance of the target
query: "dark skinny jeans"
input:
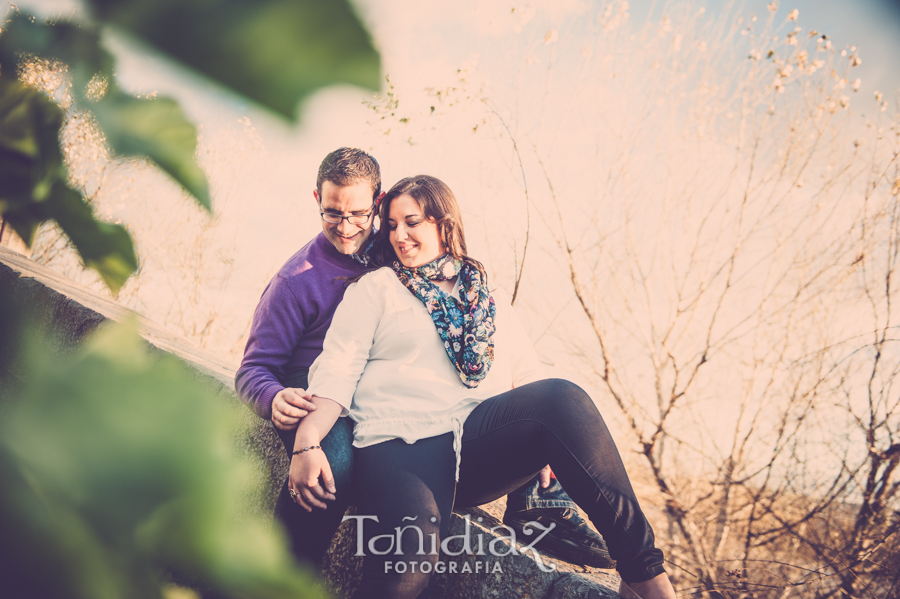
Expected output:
(507, 439)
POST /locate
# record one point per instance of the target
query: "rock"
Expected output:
(500, 577)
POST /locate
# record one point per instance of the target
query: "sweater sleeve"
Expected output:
(276, 330)
(336, 372)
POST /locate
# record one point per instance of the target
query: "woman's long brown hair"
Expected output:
(439, 206)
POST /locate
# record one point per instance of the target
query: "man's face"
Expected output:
(355, 199)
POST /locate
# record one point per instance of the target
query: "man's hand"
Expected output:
(544, 476)
(289, 406)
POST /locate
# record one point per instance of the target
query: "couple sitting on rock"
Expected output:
(400, 381)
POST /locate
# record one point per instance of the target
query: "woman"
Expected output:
(444, 387)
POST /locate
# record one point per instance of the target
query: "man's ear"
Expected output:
(316, 196)
(379, 198)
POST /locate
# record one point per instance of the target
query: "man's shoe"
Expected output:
(571, 540)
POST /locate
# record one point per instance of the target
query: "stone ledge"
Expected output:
(68, 311)
(518, 576)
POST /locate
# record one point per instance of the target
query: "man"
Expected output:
(286, 336)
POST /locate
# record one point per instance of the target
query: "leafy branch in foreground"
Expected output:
(34, 177)
(121, 477)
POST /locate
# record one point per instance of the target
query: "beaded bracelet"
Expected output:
(306, 449)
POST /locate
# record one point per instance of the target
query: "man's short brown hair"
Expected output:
(347, 166)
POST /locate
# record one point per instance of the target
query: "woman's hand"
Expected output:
(308, 466)
(303, 480)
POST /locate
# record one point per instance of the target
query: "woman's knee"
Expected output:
(563, 388)
(565, 398)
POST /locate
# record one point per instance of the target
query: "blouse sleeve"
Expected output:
(336, 372)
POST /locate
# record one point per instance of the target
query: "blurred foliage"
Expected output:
(33, 185)
(152, 127)
(120, 477)
(155, 128)
(274, 52)
(118, 471)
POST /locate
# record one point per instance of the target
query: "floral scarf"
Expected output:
(465, 326)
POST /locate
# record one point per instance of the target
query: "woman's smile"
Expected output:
(414, 238)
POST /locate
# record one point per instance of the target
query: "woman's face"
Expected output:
(414, 238)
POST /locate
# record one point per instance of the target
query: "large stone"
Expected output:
(504, 576)
(67, 311)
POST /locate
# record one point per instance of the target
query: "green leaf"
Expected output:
(123, 463)
(33, 186)
(29, 142)
(275, 52)
(103, 247)
(158, 129)
(30, 158)
(77, 46)
(24, 221)
(42, 535)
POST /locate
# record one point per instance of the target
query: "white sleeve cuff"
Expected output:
(335, 390)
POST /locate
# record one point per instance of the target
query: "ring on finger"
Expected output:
(292, 493)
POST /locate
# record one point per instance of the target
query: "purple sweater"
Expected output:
(291, 320)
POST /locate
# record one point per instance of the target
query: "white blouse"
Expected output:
(385, 364)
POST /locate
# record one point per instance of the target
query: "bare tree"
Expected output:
(727, 220)
(724, 324)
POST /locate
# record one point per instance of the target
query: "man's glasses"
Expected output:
(353, 219)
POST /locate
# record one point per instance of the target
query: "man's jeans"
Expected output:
(310, 533)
